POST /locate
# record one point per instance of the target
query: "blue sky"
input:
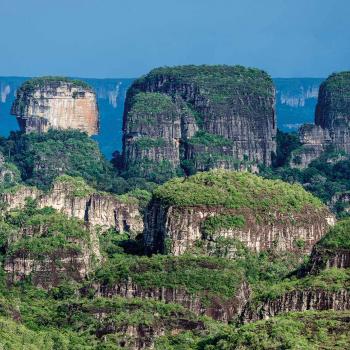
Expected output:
(114, 38)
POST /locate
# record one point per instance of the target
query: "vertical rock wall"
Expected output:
(233, 107)
(45, 103)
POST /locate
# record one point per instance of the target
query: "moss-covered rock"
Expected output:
(238, 205)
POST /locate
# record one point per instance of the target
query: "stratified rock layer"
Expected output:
(56, 103)
(215, 307)
(299, 300)
(212, 210)
(332, 121)
(96, 209)
(228, 112)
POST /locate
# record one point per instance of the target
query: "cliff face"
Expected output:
(323, 258)
(315, 141)
(333, 109)
(56, 103)
(227, 110)
(49, 271)
(299, 300)
(132, 324)
(49, 247)
(183, 229)
(332, 120)
(216, 308)
(183, 217)
(95, 209)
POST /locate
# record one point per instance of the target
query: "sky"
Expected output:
(127, 38)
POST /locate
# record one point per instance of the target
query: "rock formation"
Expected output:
(315, 141)
(49, 247)
(323, 258)
(74, 198)
(51, 270)
(213, 210)
(58, 103)
(216, 308)
(299, 300)
(207, 116)
(332, 121)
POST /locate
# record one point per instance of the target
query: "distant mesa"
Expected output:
(56, 103)
(199, 117)
(332, 121)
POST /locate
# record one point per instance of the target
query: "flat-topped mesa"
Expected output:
(333, 109)
(332, 121)
(57, 103)
(208, 116)
(214, 210)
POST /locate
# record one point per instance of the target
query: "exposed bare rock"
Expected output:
(96, 209)
(181, 216)
(142, 324)
(54, 268)
(315, 140)
(323, 258)
(216, 308)
(332, 121)
(232, 107)
(299, 300)
(183, 228)
(57, 103)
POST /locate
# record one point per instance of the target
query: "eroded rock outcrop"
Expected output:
(135, 324)
(48, 246)
(74, 198)
(332, 251)
(323, 258)
(213, 210)
(58, 103)
(208, 116)
(299, 300)
(332, 121)
(322, 284)
(315, 141)
(52, 269)
(224, 310)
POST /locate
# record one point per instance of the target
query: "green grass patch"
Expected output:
(231, 189)
(214, 224)
(338, 237)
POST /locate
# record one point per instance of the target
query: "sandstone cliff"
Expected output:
(58, 103)
(208, 116)
(333, 250)
(299, 300)
(323, 284)
(332, 121)
(48, 247)
(212, 211)
(224, 310)
(74, 198)
(315, 141)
